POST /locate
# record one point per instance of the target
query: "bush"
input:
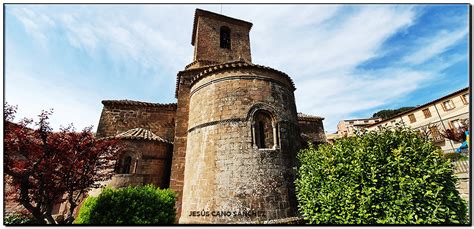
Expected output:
(388, 177)
(85, 211)
(131, 205)
(18, 219)
(455, 156)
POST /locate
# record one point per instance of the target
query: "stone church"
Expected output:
(228, 145)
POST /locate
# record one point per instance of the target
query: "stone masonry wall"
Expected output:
(180, 141)
(313, 130)
(153, 164)
(225, 174)
(208, 47)
(119, 118)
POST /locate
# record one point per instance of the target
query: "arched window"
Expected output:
(124, 165)
(225, 37)
(264, 130)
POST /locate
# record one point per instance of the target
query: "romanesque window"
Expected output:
(264, 130)
(124, 165)
(225, 37)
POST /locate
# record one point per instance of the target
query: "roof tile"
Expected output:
(140, 133)
(137, 103)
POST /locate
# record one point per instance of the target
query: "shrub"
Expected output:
(85, 211)
(455, 156)
(131, 205)
(18, 219)
(388, 177)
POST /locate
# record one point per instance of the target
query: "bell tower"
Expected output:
(218, 39)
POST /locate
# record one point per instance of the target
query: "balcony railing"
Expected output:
(437, 138)
(461, 162)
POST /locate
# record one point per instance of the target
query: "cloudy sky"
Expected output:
(347, 61)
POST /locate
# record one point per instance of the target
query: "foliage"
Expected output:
(85, 210)
(393, 176)
(388, 113)
(138, 205)
(18, 219)
(456, 156)
(47, 168)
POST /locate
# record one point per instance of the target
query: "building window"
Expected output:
(351, 122)
(436, 136)
(465, 98)
(456, 124)
(427, 112)
(225, 37)
(264, 130)
(412, 118)
(124, 165)
(448, 105)
(366, 121)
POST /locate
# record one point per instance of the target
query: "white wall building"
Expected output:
(436, 116)
(349, 127)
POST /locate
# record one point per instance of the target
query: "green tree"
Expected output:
(393, 176)
(388, 113)
(132, 205)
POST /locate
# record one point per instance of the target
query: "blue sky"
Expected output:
(347, 61)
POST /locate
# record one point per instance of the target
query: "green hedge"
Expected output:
(386, 177)
(131, 205)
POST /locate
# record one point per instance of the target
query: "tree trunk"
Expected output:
(49, 218)
(70, 215)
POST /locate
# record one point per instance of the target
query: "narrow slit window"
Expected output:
(225, 37)
(261, 133)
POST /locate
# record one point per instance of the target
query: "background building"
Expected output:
(448, 112)
(350, 127)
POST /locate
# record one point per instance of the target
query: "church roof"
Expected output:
(140, 134)
(208, 14)
(137, 103)
(302, 116)
(204, 71)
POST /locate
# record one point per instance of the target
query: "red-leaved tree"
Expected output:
(48, 168)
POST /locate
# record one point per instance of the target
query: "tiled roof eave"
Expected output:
(135, 138)
(137, 103)
(236, 65)
(307, 117)
(138, 134)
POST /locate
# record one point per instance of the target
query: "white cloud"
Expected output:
(339, 96)
(319, 46)
(69, 104)
(131, 37)
(35, 26)
(435, 45)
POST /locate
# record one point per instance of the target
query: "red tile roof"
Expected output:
(137, 103)
(140, 134)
